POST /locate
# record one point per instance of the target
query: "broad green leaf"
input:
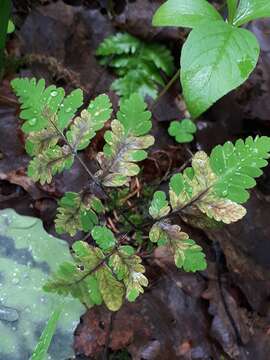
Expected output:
(250, 10)
(232, 7)
(237, 165)
(28, 255)
(77, 212)
(159, 205)
(216, 58)
(50, 162)
(185, 13)
(46, 336)
(182, 131)
(103, 237)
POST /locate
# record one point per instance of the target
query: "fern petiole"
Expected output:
(165, 89)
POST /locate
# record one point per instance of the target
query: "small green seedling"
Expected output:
(138, 64)
(110, 268)
(183, 131)
(218, 55)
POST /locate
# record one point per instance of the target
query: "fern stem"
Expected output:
(165, 89)
(5, 9)
(83, 164)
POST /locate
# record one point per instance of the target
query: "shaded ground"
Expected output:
(221, 313)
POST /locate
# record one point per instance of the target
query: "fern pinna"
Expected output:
(109, 269)
(138, 64)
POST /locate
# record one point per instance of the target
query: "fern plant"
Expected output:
(138, 64)
(218, 55)
(109, 267)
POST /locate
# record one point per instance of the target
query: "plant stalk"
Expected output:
(165, 89)
(5, 10)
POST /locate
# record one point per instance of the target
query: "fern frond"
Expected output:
(40, 141)
(160, 56)
(199, 185)
(127, 267)
(105, 274)
(125, 143)
(85, 126)
(121, 43)
(213, 186)
(49, 163)
(237, 165)
(77, 212)
(137, 63)
(187, 254)
(39, 103)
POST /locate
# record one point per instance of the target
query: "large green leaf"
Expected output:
(216, 58)
(250, 10)
(186, 13)
(46, 336)
(27, 256)
(232, 7)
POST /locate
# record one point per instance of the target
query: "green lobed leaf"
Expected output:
(42, 140)
(120, 43)
(200, 191)
(127, 267)
(39, 105)
(187, 254)
(237, 165)
(85, 126)
(79, 278)
(37, 102)
(112, 290)
(210, 51)
(124, 143)
(77, 212)
(68, 108)
(159, 205)
(250, 10)
(185, 13)
(50, 162)
(182, 131)
(103, 237)
(134, 117)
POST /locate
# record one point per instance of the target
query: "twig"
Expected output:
(108, 337)
(165, 89)
(223, 296)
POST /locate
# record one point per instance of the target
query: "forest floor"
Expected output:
(222, 313)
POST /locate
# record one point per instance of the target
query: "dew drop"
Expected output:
(33, 121)
(54, 93)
